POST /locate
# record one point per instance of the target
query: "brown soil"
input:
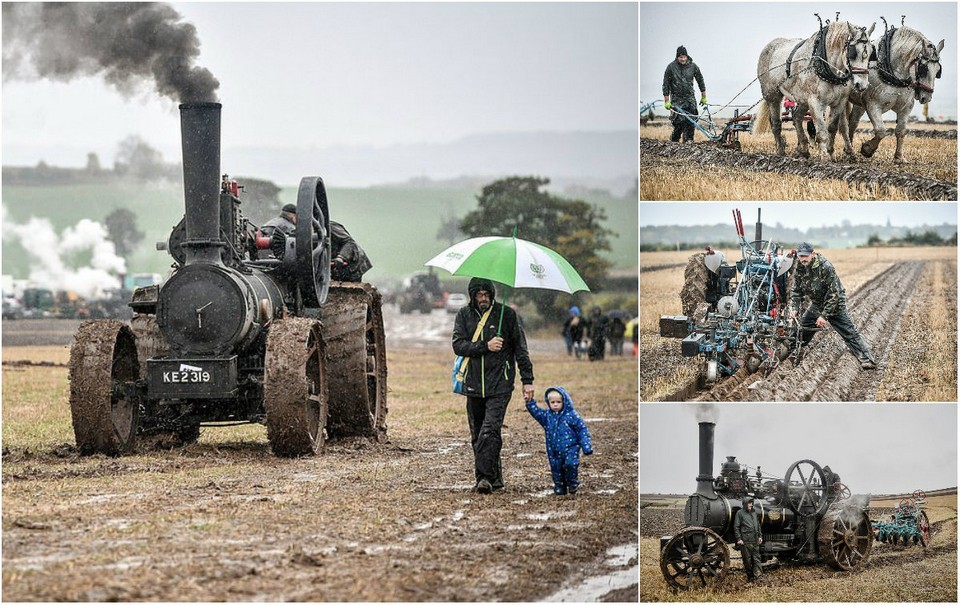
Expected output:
(915, 186)
(394, 520)
(827, 370)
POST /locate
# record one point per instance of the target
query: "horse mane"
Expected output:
(908, 43)
(837, 35)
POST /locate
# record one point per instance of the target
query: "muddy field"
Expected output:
(705, 171)
(893, 573)
(223, 519)
(906, 310)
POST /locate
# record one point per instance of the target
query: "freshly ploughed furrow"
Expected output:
(915, 186)
(828, 372)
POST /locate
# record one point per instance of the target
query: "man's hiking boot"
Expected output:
(484, 487)
(867, 364)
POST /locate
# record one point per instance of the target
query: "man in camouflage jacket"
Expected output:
(678, 92)
(817, 279)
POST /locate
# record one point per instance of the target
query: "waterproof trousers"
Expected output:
(565, 471)
(485, 415)
(681, 125)
(751, 558)
(842, 323)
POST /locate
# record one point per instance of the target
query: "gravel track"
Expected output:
(828, 372)
(916, 187)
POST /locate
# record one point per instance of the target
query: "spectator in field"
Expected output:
(678, 93)
(492, 353)
(616, 329)
(566, 434)
(817, 280)
(572, 329)
(597, 329)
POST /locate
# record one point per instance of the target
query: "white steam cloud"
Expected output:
(707, 412)
(48, 252)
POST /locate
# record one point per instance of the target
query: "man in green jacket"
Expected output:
(746, 529)
(817, 279)
(678, 93)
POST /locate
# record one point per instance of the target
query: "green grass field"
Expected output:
(397, 227)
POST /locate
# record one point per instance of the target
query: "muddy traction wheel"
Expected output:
(694, 289)
(356, 359)
(845, 538)
(103, 364)
(295, 391)
(695, 558)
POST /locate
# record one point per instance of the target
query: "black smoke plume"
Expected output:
(126, 43)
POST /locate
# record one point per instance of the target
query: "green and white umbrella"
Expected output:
(514, 262)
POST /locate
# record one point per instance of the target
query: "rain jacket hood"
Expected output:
(481, 283)
(565, 431)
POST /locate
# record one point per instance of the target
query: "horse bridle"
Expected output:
(851, 48)
(922, 65)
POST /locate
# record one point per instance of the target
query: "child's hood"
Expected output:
(567, 401)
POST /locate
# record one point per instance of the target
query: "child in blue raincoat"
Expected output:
(566, 434)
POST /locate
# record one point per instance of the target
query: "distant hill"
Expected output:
(835, 236)
(606, 160)
(397, 226)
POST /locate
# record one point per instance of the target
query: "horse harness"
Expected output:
(822, 66)
(882, 55)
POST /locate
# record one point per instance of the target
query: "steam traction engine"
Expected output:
(806, 517)
(735, 314)
(248, 329)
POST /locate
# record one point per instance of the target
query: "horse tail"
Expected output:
(761, 124)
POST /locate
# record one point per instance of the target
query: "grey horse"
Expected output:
(814, 73)
(907, 66)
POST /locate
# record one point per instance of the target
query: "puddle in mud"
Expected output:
(532, 526)
(593, 588)
(524, 455)
(457, 515)
(543, 494)
(446, 449)
(606, 492)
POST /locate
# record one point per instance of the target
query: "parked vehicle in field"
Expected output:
(455, 301)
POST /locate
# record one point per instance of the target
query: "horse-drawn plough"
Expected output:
(837, 74)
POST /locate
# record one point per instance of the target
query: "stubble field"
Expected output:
(903, 300)
(703, 171)
(223, 519)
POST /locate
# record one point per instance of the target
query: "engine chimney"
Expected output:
(200, 137)
(705, 478)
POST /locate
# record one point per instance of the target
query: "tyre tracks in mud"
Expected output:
(915, 186)
(827, 371)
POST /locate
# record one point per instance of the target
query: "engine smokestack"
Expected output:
(200, 137)
(705, 478)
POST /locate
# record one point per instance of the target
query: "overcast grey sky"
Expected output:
(725, 40)
(875, 448)
(801, 215)
(306, 74)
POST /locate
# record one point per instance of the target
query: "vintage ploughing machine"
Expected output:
(808, 516)
(737, 314)
(908, 523)
(249, 328)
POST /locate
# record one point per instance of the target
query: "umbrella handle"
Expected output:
(502, 307)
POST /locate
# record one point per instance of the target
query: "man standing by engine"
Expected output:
(746, 529)
(286, 222)
(493, 353)
(678, 93)
(350, 262)
(817, 279)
